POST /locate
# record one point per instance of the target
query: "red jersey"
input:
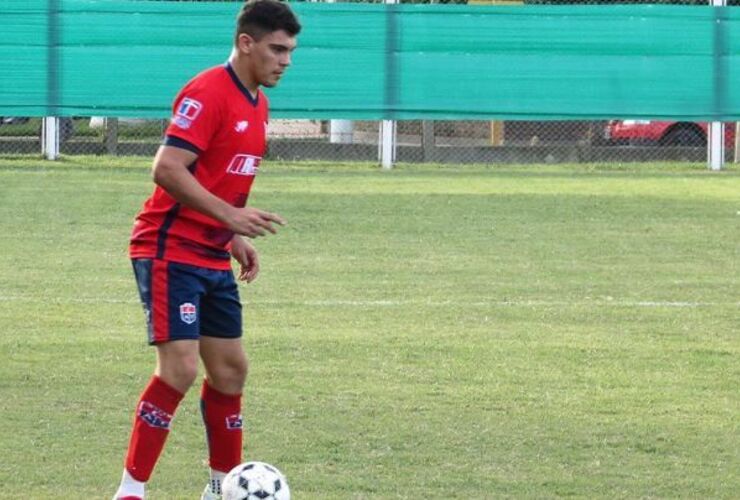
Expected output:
(215, 116)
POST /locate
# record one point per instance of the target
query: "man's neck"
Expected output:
(243, 74)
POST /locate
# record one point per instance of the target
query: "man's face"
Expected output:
(270, 57)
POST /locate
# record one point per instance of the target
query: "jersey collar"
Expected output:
(253, 100)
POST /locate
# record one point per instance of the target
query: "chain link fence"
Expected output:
(417, 140)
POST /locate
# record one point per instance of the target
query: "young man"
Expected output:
(187, 231)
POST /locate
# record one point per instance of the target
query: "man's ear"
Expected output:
(244, 43)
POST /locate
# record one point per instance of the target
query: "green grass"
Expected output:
(429, 332)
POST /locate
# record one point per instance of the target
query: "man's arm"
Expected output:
(170, 171)
(246, 255)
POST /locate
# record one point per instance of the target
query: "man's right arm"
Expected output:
(170, 171)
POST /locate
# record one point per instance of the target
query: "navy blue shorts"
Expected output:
(184, 302)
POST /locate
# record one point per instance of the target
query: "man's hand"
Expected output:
(253, 222)
(246, 255)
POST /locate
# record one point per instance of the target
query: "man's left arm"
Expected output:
(246, 255)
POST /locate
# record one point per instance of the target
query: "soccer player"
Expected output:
(185, 235)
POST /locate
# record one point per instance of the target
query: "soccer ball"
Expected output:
(255, 481)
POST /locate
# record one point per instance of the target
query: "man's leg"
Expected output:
(177, 368)
(226, 370)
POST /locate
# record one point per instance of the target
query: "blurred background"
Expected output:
(439, 141)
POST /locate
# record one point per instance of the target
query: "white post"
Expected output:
(50, 137)
(716, 145)
(387, 143)
(716, 142)
(341, 131)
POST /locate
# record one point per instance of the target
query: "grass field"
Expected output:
(429, 332)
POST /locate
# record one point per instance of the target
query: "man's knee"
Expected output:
(229, 375)
(182, 374)
(226, 363)
(177, 364)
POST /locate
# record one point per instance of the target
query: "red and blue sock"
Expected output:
(222, 418)
(151, 427)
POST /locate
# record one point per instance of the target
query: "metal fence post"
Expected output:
(716, 145)
(427, 140)
(51, 124)
(111, 136)
(716, 142)
(50, 137)
(387, 142)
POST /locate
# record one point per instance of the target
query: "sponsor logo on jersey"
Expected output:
(244, 165)
(187, 112)
(155, 417)
(188, 313)
(241, 126)
(234, 422)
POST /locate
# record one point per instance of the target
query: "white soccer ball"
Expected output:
(255, 481)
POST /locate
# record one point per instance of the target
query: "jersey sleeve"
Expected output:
(195, 119)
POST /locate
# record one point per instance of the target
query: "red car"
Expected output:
(659, 133)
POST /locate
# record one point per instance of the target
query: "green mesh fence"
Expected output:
(366, 62)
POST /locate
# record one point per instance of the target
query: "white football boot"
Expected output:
(212, 491)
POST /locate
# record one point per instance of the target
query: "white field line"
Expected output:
(398, 303)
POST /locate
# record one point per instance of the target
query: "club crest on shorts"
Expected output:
(234, 422)
(188, 313)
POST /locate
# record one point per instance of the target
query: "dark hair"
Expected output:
(260, 17)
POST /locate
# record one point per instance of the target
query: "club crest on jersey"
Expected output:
(187, 112)
(241, 126)
(188, 313)
(234, 422)
(244, 165)
(153, 416)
